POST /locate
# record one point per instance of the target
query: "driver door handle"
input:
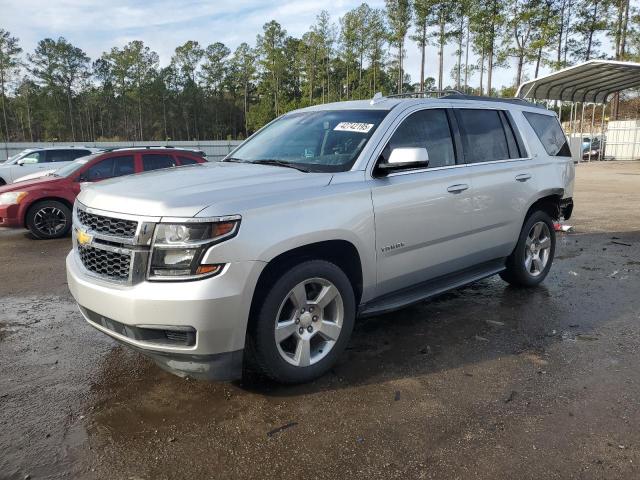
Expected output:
(460, 187)
(523, 177)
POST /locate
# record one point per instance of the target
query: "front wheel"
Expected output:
(304, 322)
(49, 219)
(531, 260)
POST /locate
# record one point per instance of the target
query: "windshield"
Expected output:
(14, 158)
(321, 141)
(74, 166)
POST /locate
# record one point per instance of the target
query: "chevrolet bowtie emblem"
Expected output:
(83, 237)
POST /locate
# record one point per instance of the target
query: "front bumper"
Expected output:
(10, 216)
(216, 308)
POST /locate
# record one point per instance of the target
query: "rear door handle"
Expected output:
(523, 177)
(460, 187)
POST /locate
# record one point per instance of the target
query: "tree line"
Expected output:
(57, 93)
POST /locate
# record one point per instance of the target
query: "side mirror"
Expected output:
(405, 159)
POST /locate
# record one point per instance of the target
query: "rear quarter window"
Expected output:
(550, 134)
(186, 160)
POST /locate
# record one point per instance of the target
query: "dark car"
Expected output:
(43, 205)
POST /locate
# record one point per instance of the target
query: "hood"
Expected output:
(31, 176)
(185, 191)
(36, 183)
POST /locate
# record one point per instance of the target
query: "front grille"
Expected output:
(108, 225)
(171, 336)
(107, 264)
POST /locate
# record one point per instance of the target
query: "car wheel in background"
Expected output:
(531, 260)
(304, 322)
(49, 219)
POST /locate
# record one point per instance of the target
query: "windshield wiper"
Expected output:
(236, 160)
(280, 163)
(277, 163)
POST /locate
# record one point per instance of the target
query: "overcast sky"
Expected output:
(96, 26)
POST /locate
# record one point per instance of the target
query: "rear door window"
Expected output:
(550, 133)
(65, 155)
(156, 161)
(483, 135)
(425, 129)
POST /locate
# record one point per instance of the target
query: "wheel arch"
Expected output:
(342, 253)
(52, 198)
(549, 202)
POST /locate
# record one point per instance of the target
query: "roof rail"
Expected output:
(426, 93)
(378, 97)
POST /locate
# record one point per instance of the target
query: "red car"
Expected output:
(44, 205)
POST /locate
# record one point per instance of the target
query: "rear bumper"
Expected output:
(215, 309)
(10, 216)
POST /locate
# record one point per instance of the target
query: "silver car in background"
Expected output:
(35, 162)
(327, 213)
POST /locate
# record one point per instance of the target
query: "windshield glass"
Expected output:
(74, 166)
(321, 141)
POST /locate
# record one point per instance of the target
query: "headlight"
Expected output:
(11, 198)
(178, 248)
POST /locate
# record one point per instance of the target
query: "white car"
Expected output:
(40, 161)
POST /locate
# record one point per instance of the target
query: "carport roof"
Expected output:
(592, 81)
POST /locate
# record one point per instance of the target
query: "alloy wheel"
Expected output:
(309, 322)
(50, 220)
(537, 249)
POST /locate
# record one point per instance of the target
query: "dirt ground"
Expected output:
(487, 381)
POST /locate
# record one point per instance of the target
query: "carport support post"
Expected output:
(604, 106)
(560, 113)
(581, 132)
(593, 119)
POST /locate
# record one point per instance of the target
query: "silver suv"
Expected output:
(326, 214)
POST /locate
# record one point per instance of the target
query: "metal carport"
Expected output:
(592, 82)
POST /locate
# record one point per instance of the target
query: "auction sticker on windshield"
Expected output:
(353, 127)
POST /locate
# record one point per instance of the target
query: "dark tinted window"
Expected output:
(550, 133)
(65, 155)
(516, 150)
(186, 161)
(110, 167)
(123, 166)
(428, 129)
(483, 136)
(155, 161)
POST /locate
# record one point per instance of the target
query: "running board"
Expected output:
(422, 291)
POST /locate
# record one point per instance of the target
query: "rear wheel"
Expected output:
(304, 322)
(531, 260)
(49, 219)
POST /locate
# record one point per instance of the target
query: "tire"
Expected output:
(523, 269)
(49, 219)
(310, 340)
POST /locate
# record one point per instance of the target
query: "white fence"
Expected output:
(623, 140)
(213, 149)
